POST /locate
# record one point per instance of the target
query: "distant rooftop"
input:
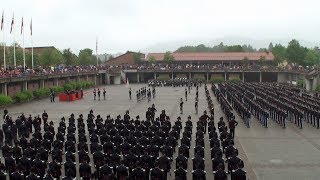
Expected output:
(214, 56)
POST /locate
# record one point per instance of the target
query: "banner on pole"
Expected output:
(22, 26)
(127, 83)
(12, 24)
(2, 20)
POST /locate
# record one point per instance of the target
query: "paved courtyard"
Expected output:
(268, 153)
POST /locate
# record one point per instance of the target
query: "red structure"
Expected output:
(71, 97)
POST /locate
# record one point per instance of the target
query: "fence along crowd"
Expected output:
(117, 148)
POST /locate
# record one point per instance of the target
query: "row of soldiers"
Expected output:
(279, 106)
(177, 82)
(98, 91)
(143, 93)
(109, 141)
(234, 164)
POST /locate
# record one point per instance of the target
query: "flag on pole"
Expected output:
(127, 83)
(22, 26)
(31, 27)
(2, 21)
(12, 23)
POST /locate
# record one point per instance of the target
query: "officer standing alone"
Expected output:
(104, 93)
(181, 106)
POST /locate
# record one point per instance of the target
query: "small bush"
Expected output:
(57, 89)
(68, 87)
(40, 93)
(5, 100)
(217, 80)
(23, 96)
(234, 80)
(300, 83)
(77, 85)
(200, 78)
(318, 88)
(163, 77)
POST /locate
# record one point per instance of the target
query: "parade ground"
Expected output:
(268, 153)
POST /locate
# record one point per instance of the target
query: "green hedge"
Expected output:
(300, 83)
(200, 78)
(5, 100)
(234, 80)
(217, 80)
(57, 89)
(77, 85)
(40, 93)
(163, 77)
(23, 96)
(67, 87)
(318, 88)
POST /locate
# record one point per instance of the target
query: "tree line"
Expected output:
(292, 53)
(48, 57)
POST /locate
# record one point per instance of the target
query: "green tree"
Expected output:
(36, 59)
(137, 58)
(270, 46)
(279, 53)
(152, 59)
(168, 57)
(86, 57)
(262, 60)
(234, 48)
(263, 50)
(312, 58)
(245, 61)
(50, 57)
(295, 52)
(69, 57)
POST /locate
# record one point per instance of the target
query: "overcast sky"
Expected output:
(122, 25)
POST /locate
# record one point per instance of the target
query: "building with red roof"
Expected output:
(214, 57)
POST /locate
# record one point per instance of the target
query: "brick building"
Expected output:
(38, 50)
(125, 59)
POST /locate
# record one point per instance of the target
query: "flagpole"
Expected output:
(24, 54)
(97, 51)
(4, 52)
(31, 44)
(31, 52)
(14, 45)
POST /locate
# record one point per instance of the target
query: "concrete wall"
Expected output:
(48, 83)
(282, 77)
(117, 80)
(14, 88)
(33, 85)
(307, 84)
(62, 81)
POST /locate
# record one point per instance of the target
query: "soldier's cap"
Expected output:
(51, 122)
(138, 117)
(189, 117)
(205, 112)
(221, 118)
(80, 115)
(108, 116)
(179, 118)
